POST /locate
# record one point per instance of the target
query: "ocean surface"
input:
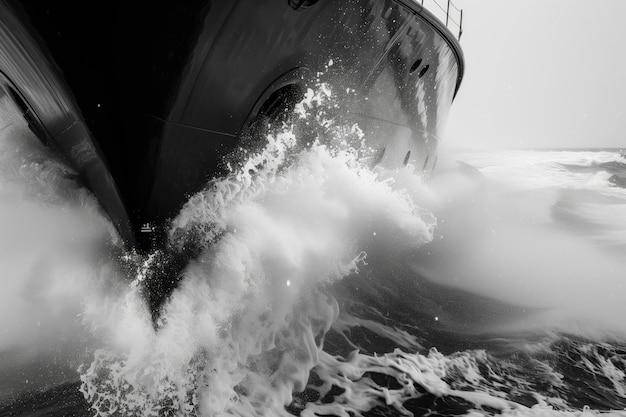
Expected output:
(323, 287)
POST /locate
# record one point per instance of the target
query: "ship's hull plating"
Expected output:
(166, 91)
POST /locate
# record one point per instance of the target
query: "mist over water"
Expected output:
(527, 230)
(321, 285)
(52, 236)
(247, 323)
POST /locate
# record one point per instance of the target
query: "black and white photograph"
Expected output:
(313, 208)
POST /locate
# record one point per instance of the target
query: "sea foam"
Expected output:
(247, 322)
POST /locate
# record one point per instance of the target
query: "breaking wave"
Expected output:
(323, 287)
(247, 322)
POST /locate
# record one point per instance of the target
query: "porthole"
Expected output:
(423, 71)
(301, 4)
(406, 158)
(415, 65)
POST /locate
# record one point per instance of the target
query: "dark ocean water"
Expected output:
(324, 288)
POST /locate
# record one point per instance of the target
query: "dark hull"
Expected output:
(165, 91)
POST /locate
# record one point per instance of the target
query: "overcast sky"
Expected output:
(541, 73)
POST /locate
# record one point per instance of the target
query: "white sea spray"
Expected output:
(247, 322)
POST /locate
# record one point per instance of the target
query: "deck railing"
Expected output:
(446, 11)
